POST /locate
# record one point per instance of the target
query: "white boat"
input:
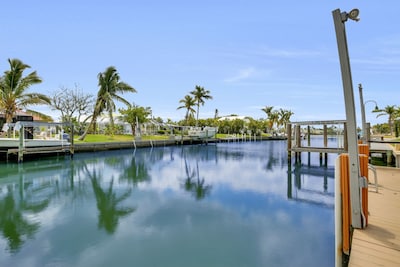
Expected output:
(205, 132)
(14, 142)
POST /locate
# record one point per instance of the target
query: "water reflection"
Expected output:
(14, 227)
(21, 200)
(107, 203)
(118, 207)
(194, 184)
(135, 169)
(312, 183)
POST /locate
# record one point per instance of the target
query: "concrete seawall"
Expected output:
(39, 152)
(102, 146)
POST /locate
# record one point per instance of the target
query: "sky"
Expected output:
(248, 54)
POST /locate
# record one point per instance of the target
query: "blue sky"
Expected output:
(249, 54)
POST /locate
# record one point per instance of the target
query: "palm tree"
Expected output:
(13, 87)
(200, 94)
(268, 110)
(109, 88)
(391, 112)
(284, 117)
(272, 116)
(272, 119)
(188, 103)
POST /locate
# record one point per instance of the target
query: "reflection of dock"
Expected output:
(311, 185)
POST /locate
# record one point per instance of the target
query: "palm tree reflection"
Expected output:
(15, 227)
(136, 172)
(197, 187)
(107, 204)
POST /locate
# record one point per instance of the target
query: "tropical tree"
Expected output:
(391, 112)
(270, 116)
(200, 94)
(13, 90)
(72, 103)
(135, 115)
(110, 87)
(278, 117)
(268, 110)
(284, 117)
(188, 103)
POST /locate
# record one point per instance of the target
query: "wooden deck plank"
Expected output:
(379, 243)
(368, 254)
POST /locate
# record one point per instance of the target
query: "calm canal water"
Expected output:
(226, 204)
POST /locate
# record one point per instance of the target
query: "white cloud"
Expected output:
(242, 75)
(247, 74)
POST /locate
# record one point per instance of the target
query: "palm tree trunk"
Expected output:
(197, 115)
(111, 122)
(82, 137)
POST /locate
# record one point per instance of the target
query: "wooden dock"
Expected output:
(297, 131)
(379, 243)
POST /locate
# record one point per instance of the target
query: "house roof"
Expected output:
(25, 113)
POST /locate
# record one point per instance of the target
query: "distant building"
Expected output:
(234, 117)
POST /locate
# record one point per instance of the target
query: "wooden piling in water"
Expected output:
(297, 148)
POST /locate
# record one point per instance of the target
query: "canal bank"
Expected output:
(32, 153)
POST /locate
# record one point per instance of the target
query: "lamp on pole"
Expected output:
(339, 19)
(364, 121)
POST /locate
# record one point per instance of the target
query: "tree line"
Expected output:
(83, 109)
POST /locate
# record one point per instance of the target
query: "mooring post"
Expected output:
(325, 141)
(298, 142)
(289, 139)
(21, 144)
(71, 149)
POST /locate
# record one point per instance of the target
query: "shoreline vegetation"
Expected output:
(102, 138)
(84, 111)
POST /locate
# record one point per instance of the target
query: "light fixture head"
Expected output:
(353, 14)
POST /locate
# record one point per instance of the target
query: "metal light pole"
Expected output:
(362, 113)
(364, 121)
(339, 19)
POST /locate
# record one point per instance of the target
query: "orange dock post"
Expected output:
(363, 149)
(345, 193)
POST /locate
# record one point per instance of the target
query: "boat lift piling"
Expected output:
(294, 133)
